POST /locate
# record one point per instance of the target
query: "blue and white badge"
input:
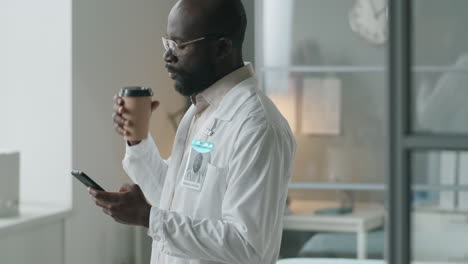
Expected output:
(197, 163)
(202, 146)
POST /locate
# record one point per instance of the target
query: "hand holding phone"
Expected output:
(86, 180)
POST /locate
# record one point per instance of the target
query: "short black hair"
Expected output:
(230, 20)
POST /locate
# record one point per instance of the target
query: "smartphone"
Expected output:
(86, 180)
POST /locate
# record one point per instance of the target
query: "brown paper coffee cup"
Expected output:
(137, 104)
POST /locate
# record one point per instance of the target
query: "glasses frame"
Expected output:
(167, 47)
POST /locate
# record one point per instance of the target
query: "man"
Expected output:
(231, 212)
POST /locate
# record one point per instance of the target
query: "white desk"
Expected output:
(360, 221)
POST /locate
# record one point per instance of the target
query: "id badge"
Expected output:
(197, 164)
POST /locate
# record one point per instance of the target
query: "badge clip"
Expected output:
(209, 131)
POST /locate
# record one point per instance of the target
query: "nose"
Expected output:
(168, 57)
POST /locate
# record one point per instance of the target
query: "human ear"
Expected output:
(223, 48)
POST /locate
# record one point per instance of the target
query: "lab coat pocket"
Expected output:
(215, 182)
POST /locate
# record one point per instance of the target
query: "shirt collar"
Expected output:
(213, 95)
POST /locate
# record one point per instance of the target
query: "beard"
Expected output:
(194, 81)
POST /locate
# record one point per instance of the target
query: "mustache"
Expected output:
(172, 69)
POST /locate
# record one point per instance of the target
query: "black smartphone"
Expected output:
(86, 180)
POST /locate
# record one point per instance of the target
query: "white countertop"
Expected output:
(33, 215)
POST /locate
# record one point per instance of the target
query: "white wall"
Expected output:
(115, 43)
(35, 93)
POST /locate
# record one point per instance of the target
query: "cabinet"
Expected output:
(36, 235)
(439, 235)
(35, 244)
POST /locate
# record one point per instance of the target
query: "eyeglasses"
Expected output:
(179, 49)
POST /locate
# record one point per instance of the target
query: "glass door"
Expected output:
(375, 93)
(323, 63)
(428, 179)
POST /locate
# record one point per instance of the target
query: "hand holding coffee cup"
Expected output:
(132, 111)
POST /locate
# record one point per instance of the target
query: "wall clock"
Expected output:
(369, 19)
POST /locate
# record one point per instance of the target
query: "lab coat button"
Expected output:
(157, 238)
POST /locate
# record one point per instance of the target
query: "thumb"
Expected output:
(136, 187)
(154, 105)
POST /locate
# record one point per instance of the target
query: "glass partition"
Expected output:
(323, 64)
(440, 66)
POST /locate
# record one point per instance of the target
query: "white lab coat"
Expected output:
(236, 217)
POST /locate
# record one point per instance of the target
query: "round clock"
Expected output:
(369, 19)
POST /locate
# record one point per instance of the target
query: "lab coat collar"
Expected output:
(215, 93)
(235, 98)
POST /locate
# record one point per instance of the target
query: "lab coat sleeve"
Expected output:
(253, 205)
(145, 166)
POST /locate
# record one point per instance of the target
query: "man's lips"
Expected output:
(172, 72)
(173, 75)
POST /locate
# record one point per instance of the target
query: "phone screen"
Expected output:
(86, 180)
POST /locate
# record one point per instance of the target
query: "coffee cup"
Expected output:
(137, 104)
